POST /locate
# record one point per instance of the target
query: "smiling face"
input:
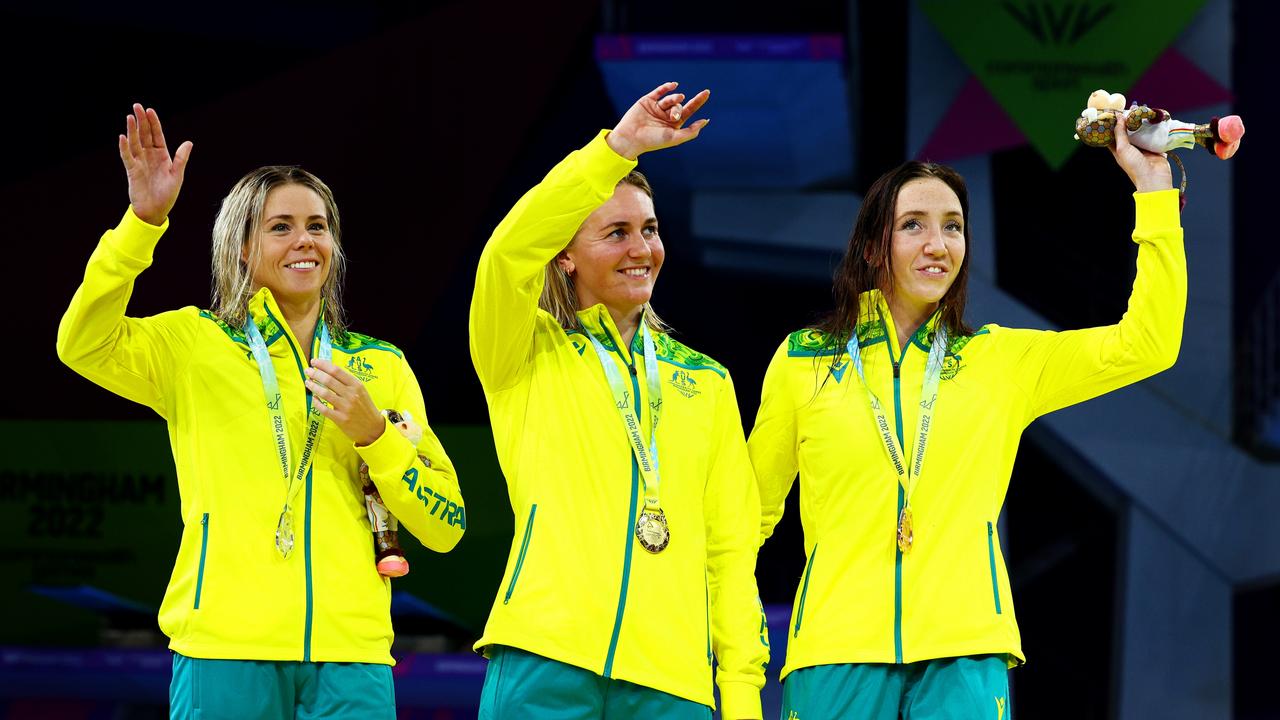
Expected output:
(295, 247)
(927, 246)
(615, 256)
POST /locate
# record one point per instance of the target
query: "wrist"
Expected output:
(149, 217)
(372, 437)
(1145, 185)
(621, 145)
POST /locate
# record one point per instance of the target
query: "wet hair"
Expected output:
(236, 228)
(866, 262)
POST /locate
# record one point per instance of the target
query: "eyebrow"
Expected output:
(624, 223)
(948, 213)
(290, 217)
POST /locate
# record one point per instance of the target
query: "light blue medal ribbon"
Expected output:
(315, 423)
(908, 477)
(651, 528)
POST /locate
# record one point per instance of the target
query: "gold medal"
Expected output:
(284, 532)
(652, 531)
(906, 531)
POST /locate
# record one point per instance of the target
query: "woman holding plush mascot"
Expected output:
(903, 423)
(632, 565)
(275, 608)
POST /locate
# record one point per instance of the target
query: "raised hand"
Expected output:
(154, 177)
(657, 121)
(1149, 171)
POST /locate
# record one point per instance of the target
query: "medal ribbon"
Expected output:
(907, 477)
(271, 391)
(646, 456)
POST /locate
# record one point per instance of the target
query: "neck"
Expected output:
(627, 322)
(301, 317)
(907, 317)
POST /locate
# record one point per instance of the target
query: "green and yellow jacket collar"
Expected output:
(267, 315)
(876, 321)
(597, 321)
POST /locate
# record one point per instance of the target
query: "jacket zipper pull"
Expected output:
(632, 368)
(896, 367)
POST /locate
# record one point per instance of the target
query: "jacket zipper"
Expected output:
(991, 554)
(631, 519)
(524, 547)
(902, 499)
(204, 548)
(804, 590)
(306, 551)
(706, 588)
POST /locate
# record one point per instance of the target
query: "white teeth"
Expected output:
(636, 272)
(933, 270)
(305, 265)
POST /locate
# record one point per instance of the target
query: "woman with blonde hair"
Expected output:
(274, 608)
(632, 565)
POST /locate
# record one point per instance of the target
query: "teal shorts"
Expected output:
(265, 690)
(522, 686)
(964, 688)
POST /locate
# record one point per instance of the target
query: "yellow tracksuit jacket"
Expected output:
(578, 588)
(231, 594)
(860, 600)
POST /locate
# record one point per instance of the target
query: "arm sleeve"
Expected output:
(426, 500)
(1058, 369)
(738, 632)
(132, 357)
(774, 445)
(504, 305)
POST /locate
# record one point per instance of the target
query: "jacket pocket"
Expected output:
(991, 556)
(524, 548)
(804, 590)
(204, 549)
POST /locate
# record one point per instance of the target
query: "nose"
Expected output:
(934, 246)
(638, 247)
(304, 239)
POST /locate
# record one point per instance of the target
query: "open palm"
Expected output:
(154, 177)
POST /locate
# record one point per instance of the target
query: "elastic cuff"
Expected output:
(391, 449)
(602, 166)
(740, 700)
(1156, 211)
(135, 238)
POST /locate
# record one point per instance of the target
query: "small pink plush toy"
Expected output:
(1154, 130)
(386, 543)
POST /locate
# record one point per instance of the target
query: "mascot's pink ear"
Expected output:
(1230, 130)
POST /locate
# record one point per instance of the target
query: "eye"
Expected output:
(280, 227)
(954, 226)
(618, 233)
(316, 227)
(911, 224)
(650, 232)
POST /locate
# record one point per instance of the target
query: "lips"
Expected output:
(303, 265)
(636, 272)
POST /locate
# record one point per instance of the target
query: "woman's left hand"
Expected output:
(348, 403)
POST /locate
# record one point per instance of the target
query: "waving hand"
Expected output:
(657, 121)
(154, 176)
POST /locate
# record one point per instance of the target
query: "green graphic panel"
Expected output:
(83, 503)
(96, 504)
(1041, 59)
